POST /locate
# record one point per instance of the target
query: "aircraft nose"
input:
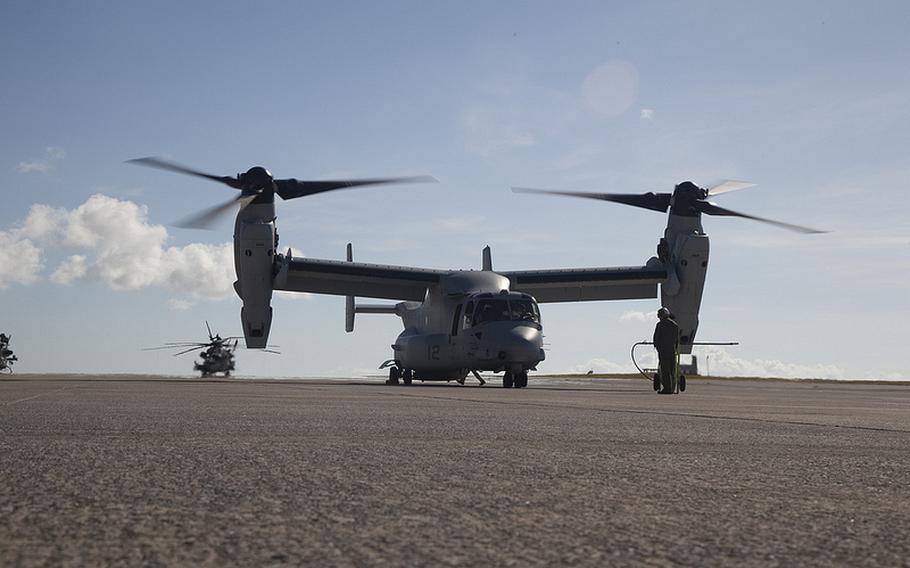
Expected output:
(522, 344)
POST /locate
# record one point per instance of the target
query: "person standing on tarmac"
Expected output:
(666, 342)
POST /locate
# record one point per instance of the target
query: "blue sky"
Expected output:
(810, 101)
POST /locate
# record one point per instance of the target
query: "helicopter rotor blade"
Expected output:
(654, 201)
(180, 345)
(257, 181)
(727, 186)
(293, 188)
(209, 329)
(186, 351)
(207, 218)
(709, 208)
(161, 164)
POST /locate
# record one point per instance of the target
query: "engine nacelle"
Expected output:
(681, 294)
(254, 253)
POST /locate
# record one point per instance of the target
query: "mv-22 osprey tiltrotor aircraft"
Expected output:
(459, 321)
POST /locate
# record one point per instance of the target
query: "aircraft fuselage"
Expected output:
(469, 322)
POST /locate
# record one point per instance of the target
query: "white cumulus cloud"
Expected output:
(130, 253)
(120, 249)
(724, 364)
(43, 222)
(720, 362)
(291, 296)
(20, 259)
(52, 155)
(72, 269)
(635, 316)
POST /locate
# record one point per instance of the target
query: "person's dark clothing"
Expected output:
(666, 336)
(666, 342)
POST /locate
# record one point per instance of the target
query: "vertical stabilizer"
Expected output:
(487, 258)
(349, 300)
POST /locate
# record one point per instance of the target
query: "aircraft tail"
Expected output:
(350, 305)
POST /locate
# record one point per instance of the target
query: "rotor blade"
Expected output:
(653, 201)
(293, 188)
(187, 351)
(160, 164)
(270, 351)
(709, 208)
(175, 346)
(207, 218)
(209, 329)
(728, 185)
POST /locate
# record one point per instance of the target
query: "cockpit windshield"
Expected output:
(514, 309)
(491, 310)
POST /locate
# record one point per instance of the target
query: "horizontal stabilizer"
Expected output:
(376, 309)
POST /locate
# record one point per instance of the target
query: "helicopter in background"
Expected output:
(217, 354)
(7, 358)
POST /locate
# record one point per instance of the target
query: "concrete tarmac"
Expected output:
(165, 471)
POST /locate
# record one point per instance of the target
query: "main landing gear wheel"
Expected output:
(515, 380)
(682, 383)
(656, 382)
(394, 374)
(521, 380)
(407, 376)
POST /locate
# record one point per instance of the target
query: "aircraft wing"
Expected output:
(587, 284)
(356, 279)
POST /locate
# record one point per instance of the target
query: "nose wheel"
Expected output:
(515, 380)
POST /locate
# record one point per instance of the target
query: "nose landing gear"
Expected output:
(515, 380)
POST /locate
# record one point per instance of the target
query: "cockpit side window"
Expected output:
(524, 310)
(468, 315)
(456, 320)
